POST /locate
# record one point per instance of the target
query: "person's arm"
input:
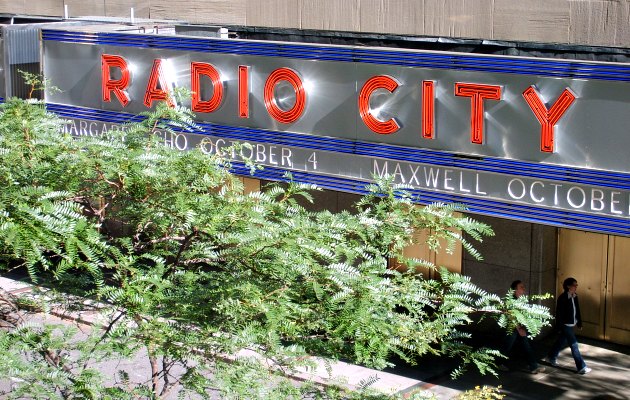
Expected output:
(578, 316)
(561, 310)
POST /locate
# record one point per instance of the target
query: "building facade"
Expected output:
(516, 109)
(583, 22)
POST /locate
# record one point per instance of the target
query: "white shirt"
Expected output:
(572, 297)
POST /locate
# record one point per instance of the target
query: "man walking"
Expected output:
(567, 318)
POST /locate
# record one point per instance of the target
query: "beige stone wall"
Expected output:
(591, 22)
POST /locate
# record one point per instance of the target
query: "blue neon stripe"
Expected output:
(560, 218)
(615, 180)
(436, 60)
(527, 213)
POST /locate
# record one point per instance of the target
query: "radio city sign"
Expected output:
(521, 116)
(158, 89)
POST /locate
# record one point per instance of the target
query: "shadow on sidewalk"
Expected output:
(609, 380)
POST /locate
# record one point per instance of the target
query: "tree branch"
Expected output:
(104, 335)
(155, 374)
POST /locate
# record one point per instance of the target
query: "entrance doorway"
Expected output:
(601, 265)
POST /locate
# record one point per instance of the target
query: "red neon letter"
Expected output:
(477, 93)
(197, 69)
(153, 93)
(428, 109)
(377, 82)
(118, 86)
(243, 91)
(548, 118)
(285, 74)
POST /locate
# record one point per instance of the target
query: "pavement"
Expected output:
(608, 380)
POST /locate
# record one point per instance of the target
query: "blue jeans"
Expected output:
(510, 340)
(567, 335)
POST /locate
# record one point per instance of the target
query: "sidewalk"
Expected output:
(609, 380)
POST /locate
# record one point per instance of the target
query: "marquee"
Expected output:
(531, 139)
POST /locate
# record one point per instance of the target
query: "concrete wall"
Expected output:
(519, 250)
(588, 22)
(324, 199)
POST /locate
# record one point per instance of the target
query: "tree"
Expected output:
(190, 271)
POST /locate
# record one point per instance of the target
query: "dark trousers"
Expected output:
(567, 335)
(511, 340)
